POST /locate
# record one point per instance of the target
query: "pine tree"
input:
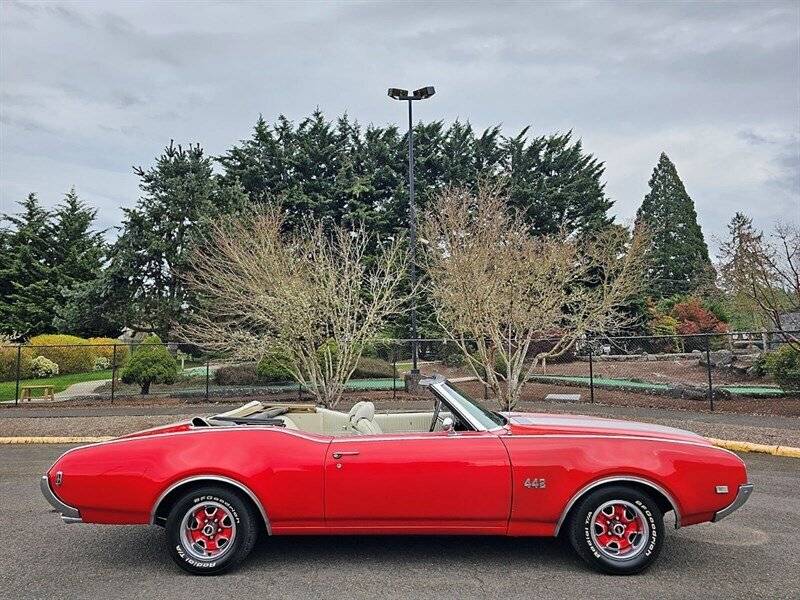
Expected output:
(678, 261)
(26, 274)
(77, 258)
(143, 286)
(739, 259)
(77, 254)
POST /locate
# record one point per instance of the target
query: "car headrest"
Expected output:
(362, 410)
(355, 408)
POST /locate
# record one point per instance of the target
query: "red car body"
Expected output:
(470, 482)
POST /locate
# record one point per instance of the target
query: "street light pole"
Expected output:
(412, 216)
(420, 94)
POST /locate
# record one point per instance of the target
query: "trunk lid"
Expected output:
(544, 424)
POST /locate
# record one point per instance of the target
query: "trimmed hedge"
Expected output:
(104, 348)
(72, 354)
(8, 363)
(237, 375)
(370, 368)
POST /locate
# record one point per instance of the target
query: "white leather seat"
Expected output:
(362, 418)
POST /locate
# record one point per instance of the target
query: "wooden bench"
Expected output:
(26, 393)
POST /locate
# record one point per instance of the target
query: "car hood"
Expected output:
(543, 424)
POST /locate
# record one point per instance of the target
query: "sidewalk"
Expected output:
(117, 420)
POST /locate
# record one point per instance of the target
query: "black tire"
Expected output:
(581, 528)
(237, 510)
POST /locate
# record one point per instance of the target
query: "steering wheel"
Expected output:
(436, 410)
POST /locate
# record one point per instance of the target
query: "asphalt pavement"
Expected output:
(748, 555)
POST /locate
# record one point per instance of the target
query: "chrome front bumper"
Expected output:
(741, 497)
(68, 513)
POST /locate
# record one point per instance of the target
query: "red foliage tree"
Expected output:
(694, 318)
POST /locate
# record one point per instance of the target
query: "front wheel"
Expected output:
(617, 530)
(210, 530)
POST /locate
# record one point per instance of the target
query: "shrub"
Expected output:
(499, 366)
(693, 317)
(272, 368)
(104, 348)
(43, 367)
(237, 375)
(369, 367)
(663, 325)
(383, 349)
(151, 362)
(454, 359)
(101, 363)
(72, 354)
(784, 366)
(8, 362)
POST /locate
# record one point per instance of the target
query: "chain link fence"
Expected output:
(703, 370)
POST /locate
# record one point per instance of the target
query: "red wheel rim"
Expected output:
(619, 530)
(208, 530)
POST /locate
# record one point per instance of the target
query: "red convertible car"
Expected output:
(214, 483)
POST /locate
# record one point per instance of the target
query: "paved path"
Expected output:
(745, 556)
(81, 389)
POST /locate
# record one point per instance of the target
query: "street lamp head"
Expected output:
(425, 92)
(398, 94)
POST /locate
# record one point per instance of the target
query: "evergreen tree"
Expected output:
(142, 286)
(739, 274)
(678, 261)
(339, 172)
(77, 251)
(77, 257)
(26, 275)
(555, 184)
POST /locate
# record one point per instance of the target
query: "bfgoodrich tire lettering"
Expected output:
(617, 530)
(227, 525)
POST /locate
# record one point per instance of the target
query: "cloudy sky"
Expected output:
(89, 89)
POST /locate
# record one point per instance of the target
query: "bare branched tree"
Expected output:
(309, 301)
(764, 270)
(497, 289)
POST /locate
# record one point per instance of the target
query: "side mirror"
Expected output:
(448, 425)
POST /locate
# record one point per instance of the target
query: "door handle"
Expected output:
(338, 455)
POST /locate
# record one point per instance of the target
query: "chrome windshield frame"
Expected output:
(439, 386)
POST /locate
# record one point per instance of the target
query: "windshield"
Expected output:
(486, 418)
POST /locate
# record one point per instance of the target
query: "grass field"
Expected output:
(59, 383)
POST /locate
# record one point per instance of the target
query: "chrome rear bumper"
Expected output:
(741, 497)
(68, 513)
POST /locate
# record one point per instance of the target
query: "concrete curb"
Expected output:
(53, 440)
(787, 451)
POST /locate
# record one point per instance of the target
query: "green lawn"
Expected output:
(59, 383)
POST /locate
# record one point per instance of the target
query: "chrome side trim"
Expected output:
(741, 497)
(69, 514)
(605, 480)
(611, 436)
(228, 480)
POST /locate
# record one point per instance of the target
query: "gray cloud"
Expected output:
(90, 88)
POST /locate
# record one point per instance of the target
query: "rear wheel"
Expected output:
(210, 530)
(617, 530)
